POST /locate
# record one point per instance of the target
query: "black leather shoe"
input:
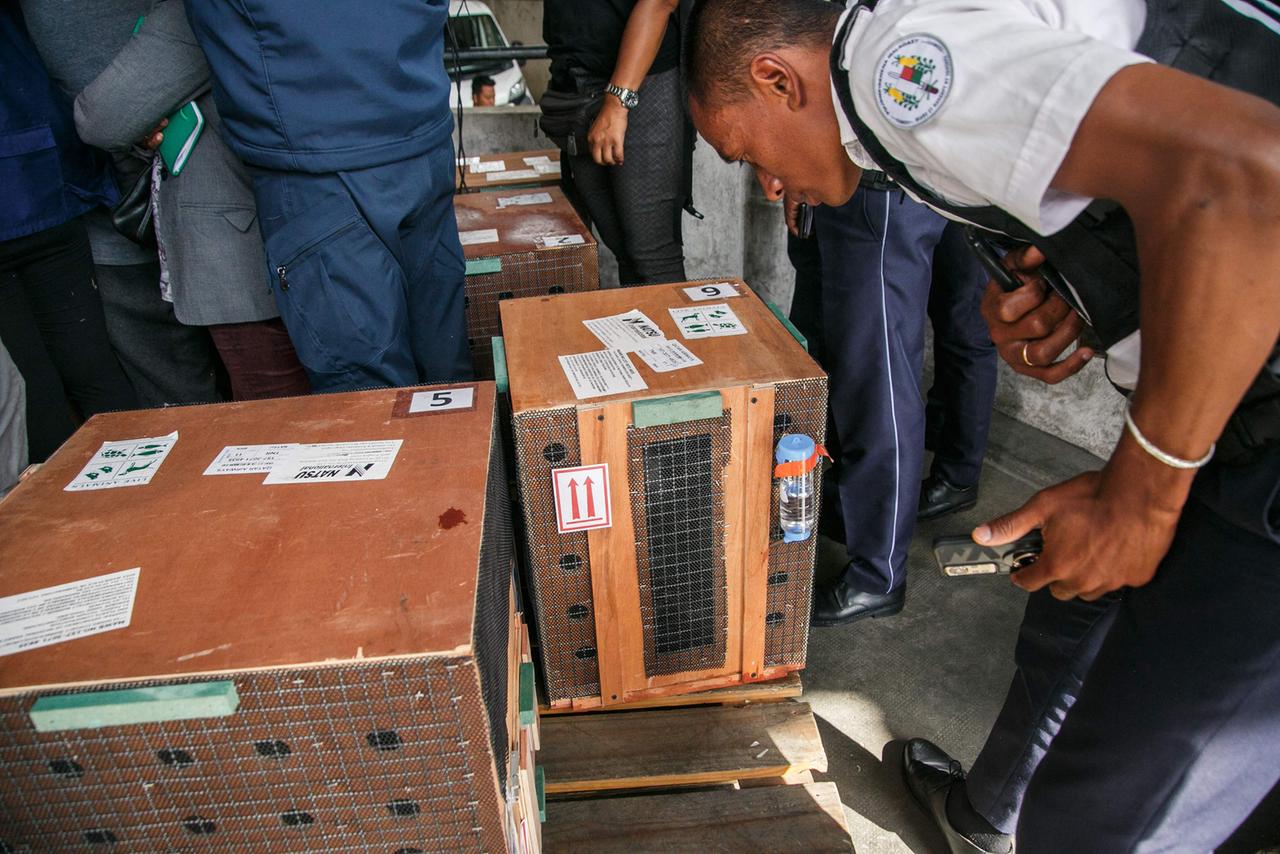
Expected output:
(839, 603)
(938, 498)
(930, 774)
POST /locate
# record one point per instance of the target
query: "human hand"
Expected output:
(791, 210)
(152, 140)
(1032, 326)
(608, 132)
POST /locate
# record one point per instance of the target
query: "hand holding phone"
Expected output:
(959, 555)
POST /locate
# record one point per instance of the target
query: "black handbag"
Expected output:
(133, 215)
(567, 117)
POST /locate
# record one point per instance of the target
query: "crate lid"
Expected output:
(490, 227)
(539, 330)
(236, 574)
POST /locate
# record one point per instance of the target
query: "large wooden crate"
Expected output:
(324, 664)
(514, 249)
(690, 586)
(504, 170)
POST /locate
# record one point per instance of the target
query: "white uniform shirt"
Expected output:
(981, 98)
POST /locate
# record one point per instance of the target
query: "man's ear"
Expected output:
(774, 79)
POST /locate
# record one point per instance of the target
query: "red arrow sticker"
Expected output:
(582, 498)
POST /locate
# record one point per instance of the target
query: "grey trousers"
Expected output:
(636, 207)
(167, 361)
(13, 423)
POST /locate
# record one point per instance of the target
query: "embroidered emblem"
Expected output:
(913, 79)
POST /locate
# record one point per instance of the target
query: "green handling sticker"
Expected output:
(125, 462)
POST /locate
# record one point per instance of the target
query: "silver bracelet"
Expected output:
(1164, 456)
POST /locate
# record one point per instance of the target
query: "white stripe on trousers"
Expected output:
(893, 408)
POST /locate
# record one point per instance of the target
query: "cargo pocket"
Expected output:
(31, 175)
(218, 273)
(339, 290)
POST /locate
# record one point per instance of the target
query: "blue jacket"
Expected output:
(327, 86)
(47, 175)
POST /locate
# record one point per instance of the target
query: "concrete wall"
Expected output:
(743, 235)
(521, 20)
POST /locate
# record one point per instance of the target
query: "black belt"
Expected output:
(873, 180)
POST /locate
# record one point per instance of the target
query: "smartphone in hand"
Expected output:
(959, 555)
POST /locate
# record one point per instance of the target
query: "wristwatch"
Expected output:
(628, 98)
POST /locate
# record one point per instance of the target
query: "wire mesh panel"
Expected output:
(541, 272)
(377, 756)
(559, 564)
(799, 407)
(676, 478)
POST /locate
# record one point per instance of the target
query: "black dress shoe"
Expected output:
(839, 603)
(938, 498)
(930, 775)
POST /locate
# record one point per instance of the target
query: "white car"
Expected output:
(471, 25)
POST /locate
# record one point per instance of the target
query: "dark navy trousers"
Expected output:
(368, 271)
(1151, 721)
(881, 257)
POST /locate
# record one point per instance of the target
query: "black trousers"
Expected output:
(51, 322)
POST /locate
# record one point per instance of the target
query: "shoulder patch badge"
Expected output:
(913, 79)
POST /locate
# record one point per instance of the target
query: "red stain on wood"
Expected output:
(452, 518)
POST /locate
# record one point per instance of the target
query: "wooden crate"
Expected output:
(720, 777)
(505, 170)
(519, 255)
(320, 664)
(690, 585)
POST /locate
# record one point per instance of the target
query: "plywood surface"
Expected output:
(538, 330)
(521, 228)
(673, 747)
(236, 574)
(804, 818)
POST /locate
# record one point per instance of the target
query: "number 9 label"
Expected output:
(719, 290)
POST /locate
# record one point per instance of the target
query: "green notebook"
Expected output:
(180, 137)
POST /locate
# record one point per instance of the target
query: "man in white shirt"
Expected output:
(1024, 112)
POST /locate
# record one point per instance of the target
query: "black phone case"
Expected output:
(961, 556)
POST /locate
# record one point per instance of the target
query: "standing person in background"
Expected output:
(165, 360)
(343, 117)
(13, 423)
(635, 178)
(483, 92)
(50, 315)
(206, 222)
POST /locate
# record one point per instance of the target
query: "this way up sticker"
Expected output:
(582, 498)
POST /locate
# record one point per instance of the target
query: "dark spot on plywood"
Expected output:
(452, 518)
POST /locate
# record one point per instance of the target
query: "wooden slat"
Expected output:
(756, 526)
(806, 818)
(786, 688)
(674, 747)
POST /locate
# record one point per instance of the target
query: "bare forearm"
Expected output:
(640, 41)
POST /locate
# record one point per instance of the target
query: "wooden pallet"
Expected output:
(722, 777)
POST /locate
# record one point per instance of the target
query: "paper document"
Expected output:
(600, 373)
(526, 199)
(668, 356)
(68, 611)
(491, 166)
(333, 462)
(512, 175)
(480, 235)
(563, 240)
(625, 332)
(247, 459)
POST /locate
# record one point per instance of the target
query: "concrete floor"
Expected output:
(939, 669)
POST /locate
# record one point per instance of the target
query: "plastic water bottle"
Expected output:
(796, 456)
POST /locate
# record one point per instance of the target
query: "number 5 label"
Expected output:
(442, 400)
(720, 290)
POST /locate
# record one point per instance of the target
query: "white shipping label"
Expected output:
(512, 175)
(547, 168)
(490, 166)
(442, 400)
(335, 462)
(127, 462)
(534, 161)
(563, 240)
(480, 235)
(247, 459)
(720, 290)
(625, 332)
(68, 611)
(710, 321)
(668, 356)
(526, 199)
(600, 373)
(582, 498)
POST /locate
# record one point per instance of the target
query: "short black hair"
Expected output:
(725, 35)
(482, 80)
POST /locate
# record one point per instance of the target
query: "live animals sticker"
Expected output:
(913, 79)
(128, 462)
(708, 321)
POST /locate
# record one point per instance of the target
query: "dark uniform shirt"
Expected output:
(585, 35)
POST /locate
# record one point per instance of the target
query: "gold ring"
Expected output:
(1025, 360)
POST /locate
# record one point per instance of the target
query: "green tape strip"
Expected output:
(477, 266)
(526, 694)
(500, 365)
(96, 709)
(656, 411)
(791, 327)
(540, 784)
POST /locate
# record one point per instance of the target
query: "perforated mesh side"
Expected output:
(676, 479)
(799, 407)
(382, 756)
(559, 564)
(568, 269)
(493, 602)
